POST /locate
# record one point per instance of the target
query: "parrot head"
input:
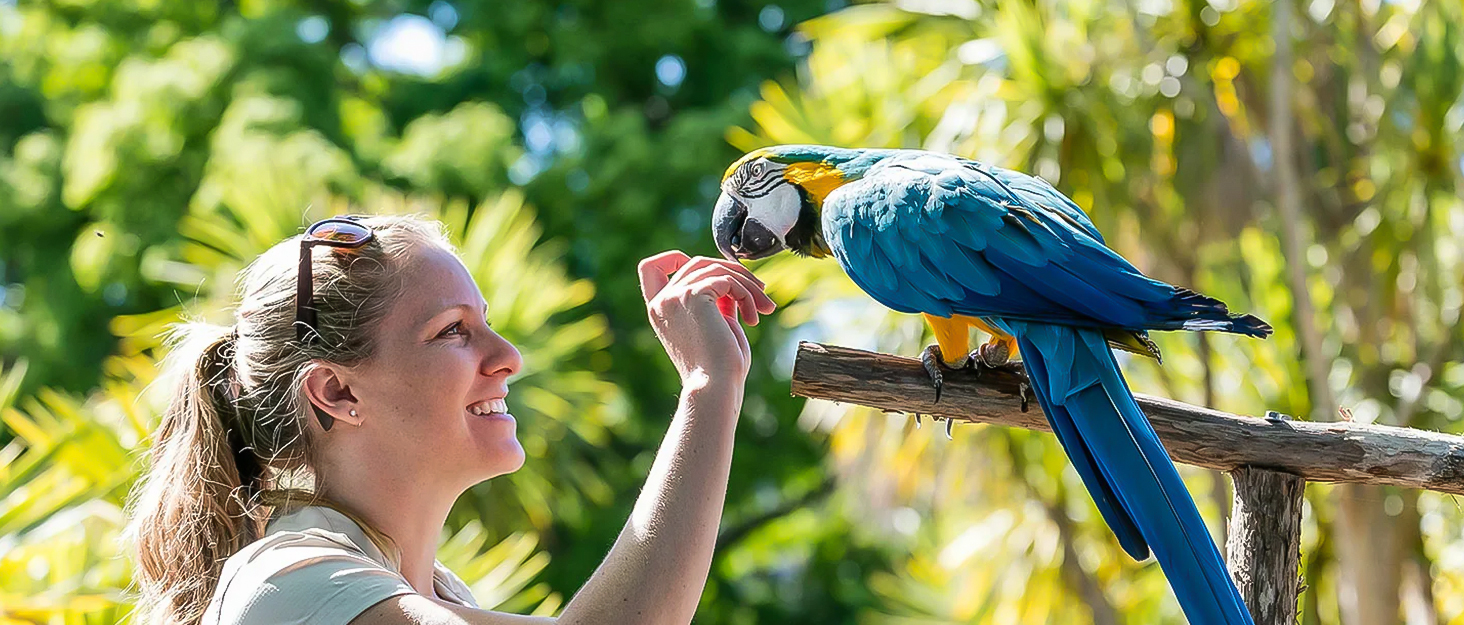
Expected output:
(772, 198)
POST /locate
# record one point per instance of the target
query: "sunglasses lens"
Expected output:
(339, 231)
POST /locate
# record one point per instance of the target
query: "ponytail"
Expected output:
(193, 509)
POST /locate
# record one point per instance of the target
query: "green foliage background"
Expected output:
(149, 149)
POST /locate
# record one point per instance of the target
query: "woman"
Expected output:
(384, 393)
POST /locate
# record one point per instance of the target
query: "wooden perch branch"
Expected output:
(1317, 452)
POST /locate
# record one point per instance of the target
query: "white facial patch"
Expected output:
(778, 210)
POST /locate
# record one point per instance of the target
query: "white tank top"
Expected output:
(314, 565)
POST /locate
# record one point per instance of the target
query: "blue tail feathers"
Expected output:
(1119, 457)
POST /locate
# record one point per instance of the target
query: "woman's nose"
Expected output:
(502, 357)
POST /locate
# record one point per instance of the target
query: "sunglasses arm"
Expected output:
(304, 309)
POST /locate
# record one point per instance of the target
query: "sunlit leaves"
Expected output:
(462, 152)
(156, 106)
(499, 575)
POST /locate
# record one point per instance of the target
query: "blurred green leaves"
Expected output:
(464, 152)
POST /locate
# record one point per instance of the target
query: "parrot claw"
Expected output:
(1023, 390)
(974, 365)
(930, 359)
(949, 422)
(918, 420)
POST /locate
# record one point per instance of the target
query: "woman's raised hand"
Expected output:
(694, 305)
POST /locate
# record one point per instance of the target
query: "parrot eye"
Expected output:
(756, 169)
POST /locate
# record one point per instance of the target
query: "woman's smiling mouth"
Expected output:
(491, 407)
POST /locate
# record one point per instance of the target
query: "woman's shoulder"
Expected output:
(310, 567)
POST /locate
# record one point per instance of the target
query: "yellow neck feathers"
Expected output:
(818, 179)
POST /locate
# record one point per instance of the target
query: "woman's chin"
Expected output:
(513, 461)
(495, 438)
(501, 454)
(502, 460)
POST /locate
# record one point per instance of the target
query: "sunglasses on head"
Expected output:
(343, 232)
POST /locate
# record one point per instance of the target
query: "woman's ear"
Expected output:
(330, 395)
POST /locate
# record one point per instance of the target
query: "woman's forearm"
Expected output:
(658, 566)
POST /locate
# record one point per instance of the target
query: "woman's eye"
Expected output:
(456, 325)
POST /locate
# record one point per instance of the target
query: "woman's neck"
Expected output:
(411, 517)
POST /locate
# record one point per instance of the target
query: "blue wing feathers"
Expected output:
(884, 270)
(1039, 191)
(1017, 244)
(1078, 295)
(964, 268)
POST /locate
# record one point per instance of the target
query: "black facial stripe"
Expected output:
(759, 187)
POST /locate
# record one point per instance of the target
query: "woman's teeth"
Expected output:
(491, 406)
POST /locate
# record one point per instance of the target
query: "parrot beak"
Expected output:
(737, 236)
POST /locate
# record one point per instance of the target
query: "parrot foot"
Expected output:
(949, 422)
(931, 359)
(994, 354)
(1024, 391)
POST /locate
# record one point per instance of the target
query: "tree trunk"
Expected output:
(1367, 556)
(1368, 565)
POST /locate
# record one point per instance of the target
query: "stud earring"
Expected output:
(353, 412)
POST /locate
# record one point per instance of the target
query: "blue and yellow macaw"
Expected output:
(966, 244)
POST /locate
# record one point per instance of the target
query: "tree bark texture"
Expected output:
(1263, 550)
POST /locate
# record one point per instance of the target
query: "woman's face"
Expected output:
(436, 362)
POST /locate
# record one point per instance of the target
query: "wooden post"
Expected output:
(1263, 550)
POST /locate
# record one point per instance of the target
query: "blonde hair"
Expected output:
(233, 439)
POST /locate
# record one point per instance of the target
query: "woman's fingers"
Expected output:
(727, 306)
(714, 276)
(758, 302)
(761, 302)
(677, 288)
(655, 271)
(727, 286)
(702, 262)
